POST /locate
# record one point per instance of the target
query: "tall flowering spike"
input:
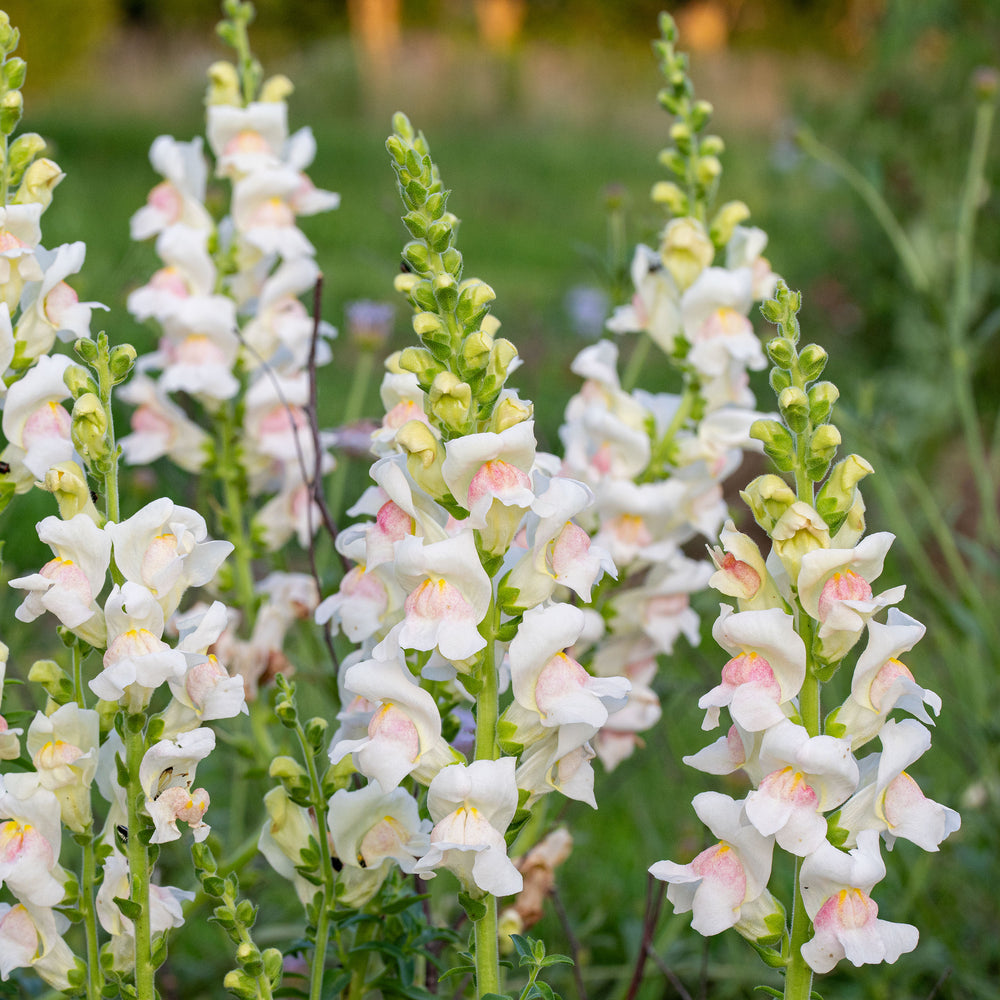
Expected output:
(656, 462)
(803, 610)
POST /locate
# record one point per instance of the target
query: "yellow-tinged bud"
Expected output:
(799, 530)
(450, 400)
(424, 456)
(708, 170)
(11, 108)
(490, 325)
(726, 220)
(392, 364)
(68, 484)
(768, 497)
(404, 281)
(90, 427)
(38, 183)
(286, 768)
(502, 354)
(837, 497)
(686, 250)
(476, 350)
(23, 151)
(670, 195)
(510, 411)
(223, 84)
(276, 88)
(852, 528)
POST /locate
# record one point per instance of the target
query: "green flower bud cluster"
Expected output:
(803, 441)
(243, 83)
(21, 170)
(693, 156)
(259, 972)
(462, 365)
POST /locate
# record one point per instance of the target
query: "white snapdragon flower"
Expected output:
(881, 682)
(766, 671)
(31, 937)
(655, 305)
(188, 274)
(30, 840)
(371, 829)
(836, 891)
(803, 778)
(161, 427)
(69, 584)
(165, 548)
(544, 679)
(471, 806)
(448, 595)
(834, 586)
(889, 801)
(288, 831)
(179, 198)
(35, 424)
(63, 748)
(726, 878)
(245, 139)
(20, 234)
(166, 775)
(404, 733)
(137, 660)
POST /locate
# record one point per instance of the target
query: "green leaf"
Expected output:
(129, 908)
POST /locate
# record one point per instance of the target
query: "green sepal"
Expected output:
(475, 908)
(129, 907)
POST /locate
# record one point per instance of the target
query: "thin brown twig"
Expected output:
(937, 986)
(672, 976)
(655, 893)
(574, 942)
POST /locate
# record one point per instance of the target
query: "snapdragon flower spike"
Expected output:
(802, 611)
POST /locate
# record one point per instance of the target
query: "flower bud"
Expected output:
(316, 732)
(794, 406)
(510, 411)
(726, 220)
(86, 349)
(285, 711)
(812, 361)
(285, 768)
(680, 134)
(823, 446)
(240, 984)
(90, 427)
(223, 84)
(474, 298)
(822, 396)
(835, 499)
(445, 292)
(502, 354)
(701, 111)
(67, 482)
(781, 351)
(768, 497)
(404, 282)
(417, 256)
(799, 530)
(450, 400)
(671, 196)
(276, 89)
(439, 236)
(11, 108)
(53, 679)
(421, 363)
(686, 250)
(708, 170)
(23, 151)
(79, 381)
(424, 456)
(9, 36)
(120, 362)
(779, 379)
(712, 145)
(14, 71)
(475, 353)
(38, 183)
(777, 441)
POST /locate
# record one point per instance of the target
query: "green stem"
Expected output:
(636, 362)
(661, 449)
(798, 975)
(487, 950)
(79, 693)
(326, 864)
(105, 386)
(232, 477)
(359, 964)
(876, 203)
(958, 321)
(95, 979)
(138, 857)
(487, 713)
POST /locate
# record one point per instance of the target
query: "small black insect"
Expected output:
(4, 468)
(405, 268)
(122, 832)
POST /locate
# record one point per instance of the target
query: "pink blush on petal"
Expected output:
(846, 586)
